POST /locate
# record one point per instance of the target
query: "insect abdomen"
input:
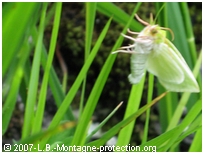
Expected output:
(137, 67)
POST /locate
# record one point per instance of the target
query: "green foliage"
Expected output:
(25, 56)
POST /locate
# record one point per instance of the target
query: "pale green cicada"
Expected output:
(153, 52)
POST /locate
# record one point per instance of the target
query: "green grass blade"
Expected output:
(12, 14)
(132, 106)
(118, 15)
(190, 43)
(103, 122)
(10, 102)
(195, 110)
(82, 73)
(167, 139)
(42, 97)
(166, 107)
(33, 83)
(90, 19)
(160, 141)
(149, 99)
(6, 82)
(196, 145)
(184, 99)
(14, 56)
(177, 26)
(190, 36)
(193, 128)
(114, 130)
(14, 84)
(197, 72)
(69, 97)
(54, 82)
(189, 30)
(176, 23)
(55, 86)
(33, 139)
(88, 110)
(95, 93)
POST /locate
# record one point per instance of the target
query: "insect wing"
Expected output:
(190, 84)
(163, 65)
(171, 69)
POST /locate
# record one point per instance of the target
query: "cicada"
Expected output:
(153, 52)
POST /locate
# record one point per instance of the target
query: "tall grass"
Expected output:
(21, 77)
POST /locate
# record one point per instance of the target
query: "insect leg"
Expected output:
(131, 38)
(142, 21)
(131, 32)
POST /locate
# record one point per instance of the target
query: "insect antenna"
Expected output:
(142, 21)
(172, 33)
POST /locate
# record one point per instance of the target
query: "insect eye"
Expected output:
(153, 31)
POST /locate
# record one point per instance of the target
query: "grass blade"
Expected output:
(103, 122)
(42, 98)
(133, 105)
(149, 99)
(118, 15)
(90, 17)
(114, 130)
(33, 83)
(69, 97)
